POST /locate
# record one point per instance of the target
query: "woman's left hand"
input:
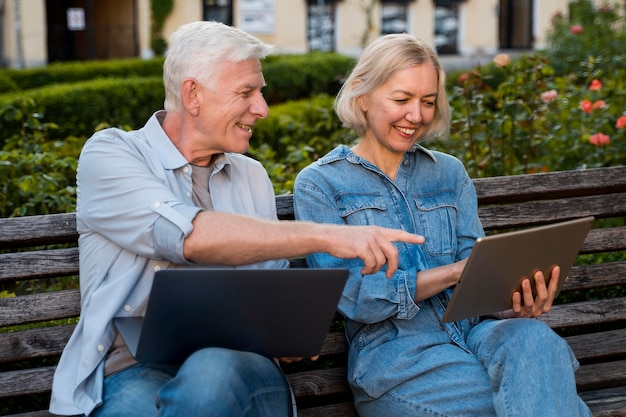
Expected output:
(527, 305)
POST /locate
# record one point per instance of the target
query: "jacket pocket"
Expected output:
(438, 218)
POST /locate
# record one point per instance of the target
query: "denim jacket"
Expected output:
(433, 196)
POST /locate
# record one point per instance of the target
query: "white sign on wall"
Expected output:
(76, 18)
(256, 16)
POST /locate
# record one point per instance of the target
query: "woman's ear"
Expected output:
(362, 102)
(362, 99)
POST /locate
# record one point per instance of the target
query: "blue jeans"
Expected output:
(211, 382)
(517, 367)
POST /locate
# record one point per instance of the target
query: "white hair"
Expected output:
(195, 50)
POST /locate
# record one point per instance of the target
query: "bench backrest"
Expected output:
(44, 248)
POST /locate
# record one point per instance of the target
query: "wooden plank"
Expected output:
(34, 343)
(600, 346)
(345, 409)
(601, 375)
(284, 207)
(605, 240)
(334, 344)
(585, 277)
(38, 264)
(319, 382)
(42, 413)
(533, 213)
(37, 230)
(586, 313)
(50, 341)
(609, 402)
(559, 184)
(39, 307)
(26, 382)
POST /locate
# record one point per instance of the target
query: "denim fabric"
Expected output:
(212, 382)
(403, 359)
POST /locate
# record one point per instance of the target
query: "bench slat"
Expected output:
(38, 230)
(34, 414)
(26, 381)
(334, 410)
(559, 184)
(609, 402)
(586, 313)
(598, 346)
(319, 382)
(38, 264)
(34, 343)
(605, 240)
(34, 308)
(584, 277)
(533, 213)
(306, 384)
(601, 375)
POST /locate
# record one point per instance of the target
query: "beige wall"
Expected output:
(478, 32)
(543, 18)
(478, 26)
(29, 46)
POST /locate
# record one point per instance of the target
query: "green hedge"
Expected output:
(126, 92)
(12, 80)
(84, 105)
(293, 77)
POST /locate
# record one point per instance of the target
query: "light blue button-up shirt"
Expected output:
(134, 209)
(431, 195)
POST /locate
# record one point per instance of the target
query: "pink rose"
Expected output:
(595, 85)
(621, 122)
(548, 96)
(586, 106)
(600, 104)
(501, 60)
(599, 139)
(576, 29)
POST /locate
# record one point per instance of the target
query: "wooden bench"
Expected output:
(591, 314)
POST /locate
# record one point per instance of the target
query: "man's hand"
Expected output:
(373, 244)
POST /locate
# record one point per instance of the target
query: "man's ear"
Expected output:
(191, 96)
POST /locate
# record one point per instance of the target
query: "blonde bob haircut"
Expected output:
(378, 62)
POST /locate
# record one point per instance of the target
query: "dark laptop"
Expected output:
(274, 312)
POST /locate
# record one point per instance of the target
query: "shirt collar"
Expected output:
(343, 152)
(170, 156)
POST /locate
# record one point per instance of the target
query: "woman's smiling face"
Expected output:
(399, 110)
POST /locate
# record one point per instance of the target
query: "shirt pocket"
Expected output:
(438, 218)
(363, 209)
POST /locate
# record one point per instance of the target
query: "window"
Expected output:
(321, 25)
(395, 18)
(219, 11)
(446, 28)
(516, 23)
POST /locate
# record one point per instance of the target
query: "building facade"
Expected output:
(37, 32)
